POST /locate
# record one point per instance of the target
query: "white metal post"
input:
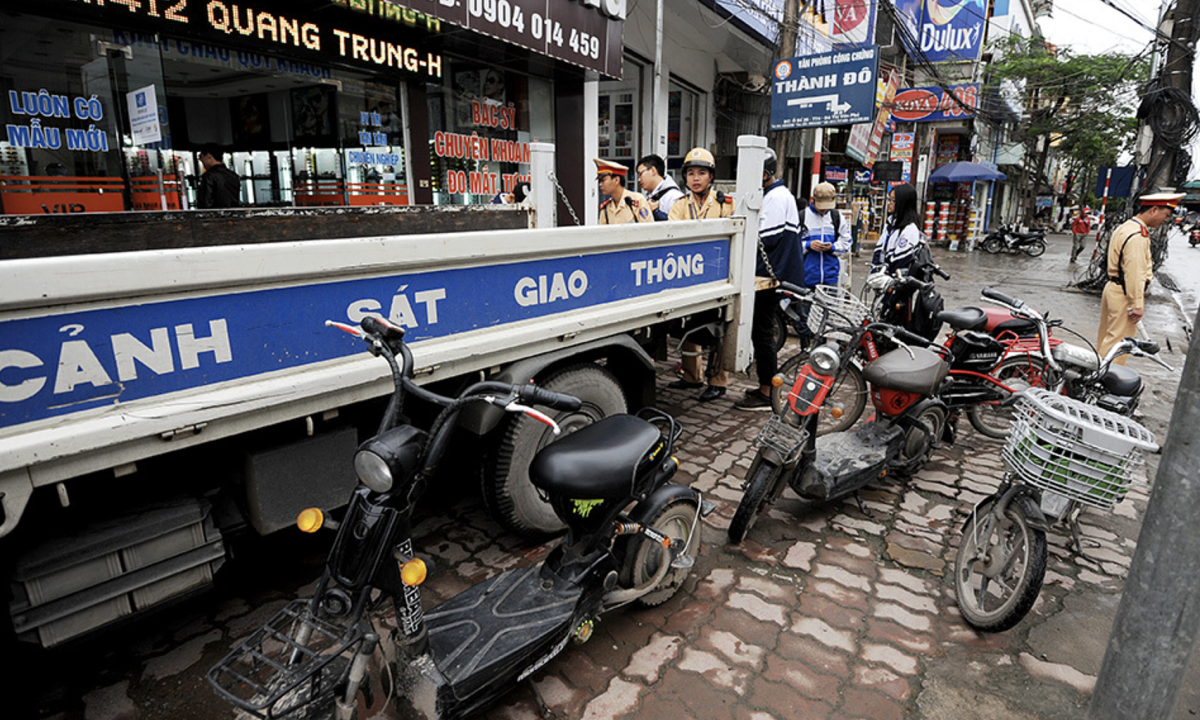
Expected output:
(752, 151)
(543, 186)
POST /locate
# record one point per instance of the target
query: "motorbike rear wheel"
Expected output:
(918, 441)
(993, 244)
(677, 520)
(849, 393)
(1000, 566)
(1035, 248)
(1020, 372)
(759, 489)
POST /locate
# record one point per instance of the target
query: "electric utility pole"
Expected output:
(1177, 74)
(788, 30)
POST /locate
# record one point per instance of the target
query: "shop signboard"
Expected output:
(927, 104)
(862, 177)
(860, 135)
(582, 32)
(902, 150)
(835, 174)
(834, 88)
(842, 24)
(943, 30)
(377, 35)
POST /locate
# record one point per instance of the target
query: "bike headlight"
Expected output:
(824, 359)
(373, 470)
(388, 457)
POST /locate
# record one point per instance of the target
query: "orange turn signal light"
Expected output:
(777, 381)
(413, 572)
(837, 412)
(310, 520)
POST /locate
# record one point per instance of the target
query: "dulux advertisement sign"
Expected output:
(945, 30)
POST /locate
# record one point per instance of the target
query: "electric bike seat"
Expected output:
(921, 373)
(599, 461)
(1120, 380)
(968, 318)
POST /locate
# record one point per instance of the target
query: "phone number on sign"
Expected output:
(542, 29)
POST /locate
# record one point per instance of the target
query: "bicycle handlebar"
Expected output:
(1003, 299)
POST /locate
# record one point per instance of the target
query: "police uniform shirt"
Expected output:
(1134, 237)
(631, 208)
(689, 208)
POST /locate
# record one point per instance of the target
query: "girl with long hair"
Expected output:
(901, 232)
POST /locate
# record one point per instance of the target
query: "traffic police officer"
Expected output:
(622, 206)
(701, 202)
(1130, 269)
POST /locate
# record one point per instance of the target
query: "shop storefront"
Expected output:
(107, 106)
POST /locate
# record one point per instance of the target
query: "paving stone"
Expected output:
(909, 600)
(915, 559)
(800, 556)
(905, 579)
(689, 618)
(841, 576)
(817, 605)
(859, 703)
(855, 526)
(715, 669)
(890, 656)
(890, 632)
(770, 588)
(647, 663)
(882, 680)
(785, 702)
(758, 608)
(111, 702)
(618, 700)
(842, 595)
(825, 633)
(889, 611)
(714, 585)
(563, 699)
(813, 653)
(806, 680)
(1064, 674)
(581, 671)
(732, 647)
(703, 699)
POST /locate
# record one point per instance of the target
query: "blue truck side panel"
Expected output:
(58, 364)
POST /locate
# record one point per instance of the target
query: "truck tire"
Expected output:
(509, 495)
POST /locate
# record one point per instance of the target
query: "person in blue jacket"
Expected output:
(825, 235)
(779, 258)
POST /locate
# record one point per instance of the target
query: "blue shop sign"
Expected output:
(833, 88)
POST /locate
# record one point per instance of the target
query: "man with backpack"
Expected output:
(824, 235)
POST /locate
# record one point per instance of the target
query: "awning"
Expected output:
(965, 172)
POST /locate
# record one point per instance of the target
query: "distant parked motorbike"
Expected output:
(1194, 235)
(631, 536)
(1079, 372)
(1007, 239)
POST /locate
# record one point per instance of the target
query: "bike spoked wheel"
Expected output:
(847, 396)
(1000, 566)
(1019, 372)
(1035, 249)
(759, 491)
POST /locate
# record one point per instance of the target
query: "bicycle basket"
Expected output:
(294, 660)
(835, 310)
(1074, 449)
(781, 437)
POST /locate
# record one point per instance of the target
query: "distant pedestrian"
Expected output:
(661, 190)
(1080, 227)
(703, 202)
(1130, 269)
(825, 236)
(623, 205)
(220, 187)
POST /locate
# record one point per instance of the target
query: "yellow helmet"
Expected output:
(699, 157)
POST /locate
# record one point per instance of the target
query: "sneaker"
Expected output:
(712, 393)
(754, 401)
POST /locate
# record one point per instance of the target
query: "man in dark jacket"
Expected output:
(779, 258)
(220, 187)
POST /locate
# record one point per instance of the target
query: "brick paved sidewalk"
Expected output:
(823, 611)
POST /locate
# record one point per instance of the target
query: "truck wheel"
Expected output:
(509, 495)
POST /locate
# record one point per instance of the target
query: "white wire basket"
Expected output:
(1074, 449)
(835, 307)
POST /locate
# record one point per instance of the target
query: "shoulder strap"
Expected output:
(837, 222)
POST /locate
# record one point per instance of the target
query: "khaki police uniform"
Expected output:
(632, 207)
(1128, 259)
(710, 208)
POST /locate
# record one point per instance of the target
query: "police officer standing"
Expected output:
(1130, 269)
(701, 202)
(622, 206)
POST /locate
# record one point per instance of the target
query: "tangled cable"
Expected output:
(1171, 115)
